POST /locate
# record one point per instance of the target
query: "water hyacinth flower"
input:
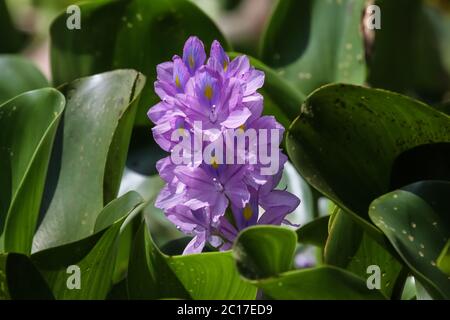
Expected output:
(213, 199)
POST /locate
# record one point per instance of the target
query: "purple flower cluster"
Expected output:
(213, 201)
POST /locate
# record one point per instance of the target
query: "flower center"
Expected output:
(248, 212)
(208, 92)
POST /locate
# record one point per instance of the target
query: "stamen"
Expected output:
(248, 212)
(191, 61)
(208, 92)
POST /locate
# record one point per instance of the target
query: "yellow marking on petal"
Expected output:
(225, 65)
(214, 163)
(248, 212)
(191, 61)
(181, 130)
(242, 127)
(177, 81)
(208, 92)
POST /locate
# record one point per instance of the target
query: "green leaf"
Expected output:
(153, 275)
(18, 76)
(316, 42)
(314, 233)
(408, 52)
(20, 279)
(350, 247)
(443, 261)
(264, 256)
(363, 131)
(94, 255)
(416, 222)
(89, 159)
(24, 158)
(136, 34)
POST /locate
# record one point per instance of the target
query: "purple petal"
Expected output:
(195, 178)
(196, 245)
(180, 74)
(236, 118)
(219, 60)
(277, 204)
(194, 55)
(164, 71)
(255, 82)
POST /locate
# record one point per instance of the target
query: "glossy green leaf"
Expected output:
(350, 247)
(28, 124)
(18, 76)
(20, 279)
(416, 222)
(316, 42)
(314, 233)
(94, 255)
(136, 34)
(153, 275)
(408, 53)
(363, 131)
(88, 161)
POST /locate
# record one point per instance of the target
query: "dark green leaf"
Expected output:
(417, 228)
(363, 131)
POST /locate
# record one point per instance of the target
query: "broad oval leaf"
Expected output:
(416, 222)
(28, 125)
(137, 34)
(363, 131)
(88, 160)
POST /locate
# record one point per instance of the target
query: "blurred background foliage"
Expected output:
(301, 45)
